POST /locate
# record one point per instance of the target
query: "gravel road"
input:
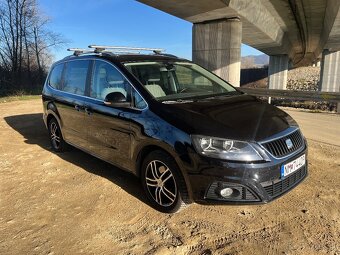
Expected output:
(72, 203)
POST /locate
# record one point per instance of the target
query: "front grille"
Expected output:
(279, 148)
(277, 188)
(244, 194)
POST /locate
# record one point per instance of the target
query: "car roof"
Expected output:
(126, 58)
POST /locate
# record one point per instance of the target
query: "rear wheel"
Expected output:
(163, 183)
(57, 142)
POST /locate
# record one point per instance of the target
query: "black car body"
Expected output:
(129, 127)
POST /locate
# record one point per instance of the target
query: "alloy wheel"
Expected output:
(161, 183)
(55, 135)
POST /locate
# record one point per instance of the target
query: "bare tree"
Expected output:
(25, 42)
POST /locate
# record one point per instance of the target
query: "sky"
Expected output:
(119, 23)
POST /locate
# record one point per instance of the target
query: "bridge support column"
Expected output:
(216, 45)
(330, 73)
(278, 71)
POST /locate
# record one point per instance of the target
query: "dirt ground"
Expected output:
(72, 203)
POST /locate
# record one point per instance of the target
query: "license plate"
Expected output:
(292, 166)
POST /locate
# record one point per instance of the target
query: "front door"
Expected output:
(109, 128)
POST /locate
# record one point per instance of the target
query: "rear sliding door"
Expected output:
(70, 102)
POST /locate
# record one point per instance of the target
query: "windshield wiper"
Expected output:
(216, 96)
(180, 101)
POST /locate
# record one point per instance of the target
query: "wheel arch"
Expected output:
(147, 149)
(53, 114)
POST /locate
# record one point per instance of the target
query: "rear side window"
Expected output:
(55, 76)
(75, 77)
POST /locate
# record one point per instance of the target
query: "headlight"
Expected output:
(225, 149)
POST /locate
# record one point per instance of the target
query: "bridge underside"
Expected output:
(293, 33)
(300, 29)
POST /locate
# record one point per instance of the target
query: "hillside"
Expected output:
(254, 61)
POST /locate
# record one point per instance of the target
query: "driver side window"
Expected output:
(107, 79)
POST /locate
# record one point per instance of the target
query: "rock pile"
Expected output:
(304, 78)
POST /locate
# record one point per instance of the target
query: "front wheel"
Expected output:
(163, 183)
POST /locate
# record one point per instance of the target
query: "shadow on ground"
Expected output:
(32, 128)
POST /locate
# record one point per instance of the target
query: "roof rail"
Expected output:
(78, 51)
(101, 48)
(114, 50)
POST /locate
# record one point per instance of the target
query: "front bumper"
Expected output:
(253, 183)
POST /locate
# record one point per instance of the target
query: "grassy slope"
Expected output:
(18, 98)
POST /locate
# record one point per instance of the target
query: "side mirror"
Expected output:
(116, 99)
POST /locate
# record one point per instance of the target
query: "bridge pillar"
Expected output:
(278, 71)
(330, 71)
(216, 45)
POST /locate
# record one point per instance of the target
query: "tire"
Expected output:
(163, 183)
(56, 138)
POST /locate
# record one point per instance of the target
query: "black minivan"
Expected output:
(189, 135)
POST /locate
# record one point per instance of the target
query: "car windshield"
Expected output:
(173, 81)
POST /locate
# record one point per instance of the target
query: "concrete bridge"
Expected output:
(292, 32)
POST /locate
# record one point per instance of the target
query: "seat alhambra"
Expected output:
(186, 133)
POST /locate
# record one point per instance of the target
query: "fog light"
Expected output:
(226, 192)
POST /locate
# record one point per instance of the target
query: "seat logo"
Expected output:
(289, 144)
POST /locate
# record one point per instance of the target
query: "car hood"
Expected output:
(240, 117)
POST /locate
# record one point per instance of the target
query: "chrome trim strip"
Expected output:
(282, 134)
(289, 155)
